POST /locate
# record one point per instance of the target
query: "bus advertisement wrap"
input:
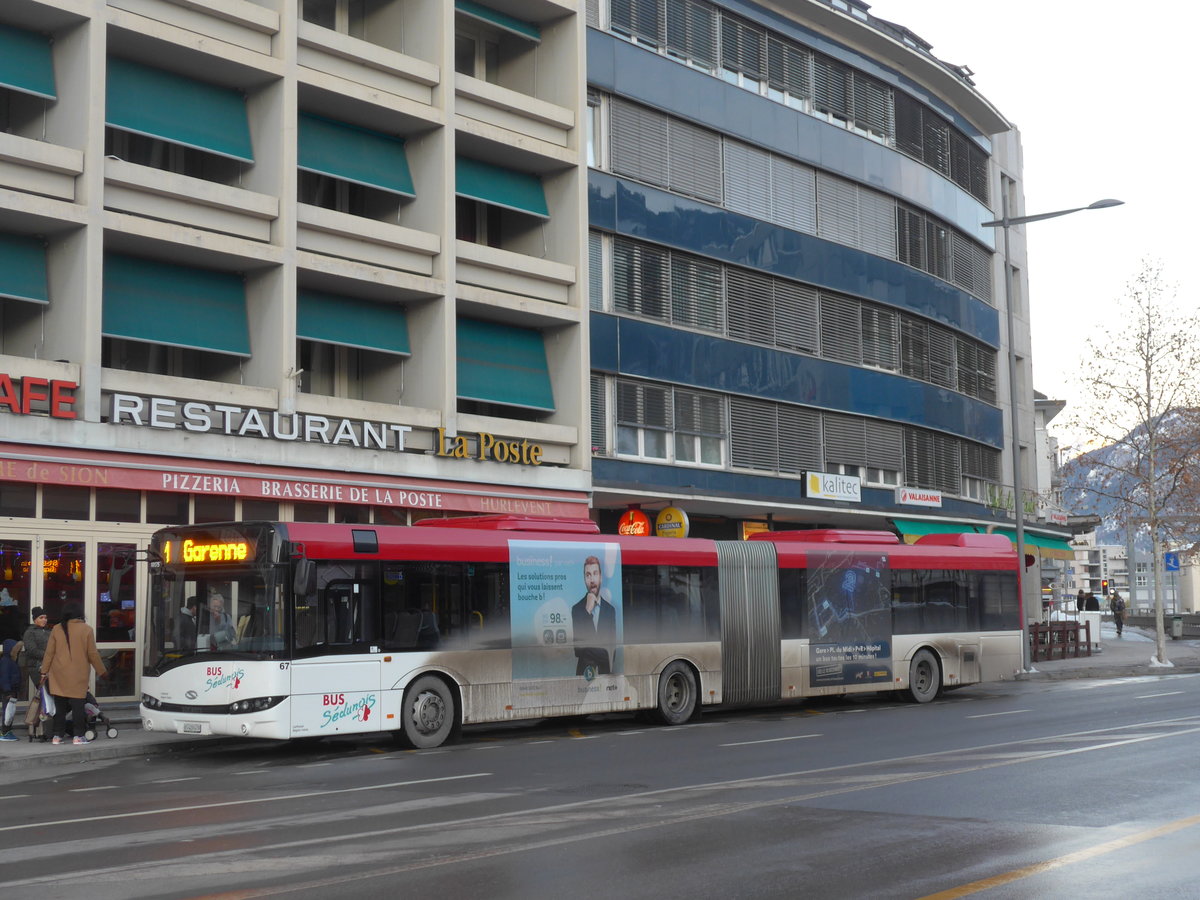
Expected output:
(565, 607)
(851, 621)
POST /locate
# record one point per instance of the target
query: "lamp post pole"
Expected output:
(1006, 222)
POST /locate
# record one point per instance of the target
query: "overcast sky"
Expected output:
(1102, 95)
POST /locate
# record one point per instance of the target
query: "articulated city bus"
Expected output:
(286, 630)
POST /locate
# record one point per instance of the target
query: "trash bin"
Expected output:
(1176, 627)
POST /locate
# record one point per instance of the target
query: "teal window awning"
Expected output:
(178, 306)
(170, 107)
(913, 529)
(23, 268)
(354, 154)
(351, 322)
(500, 20)
(25, 62)
(503, 364)
(500, 187)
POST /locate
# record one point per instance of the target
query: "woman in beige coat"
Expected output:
(69, 654)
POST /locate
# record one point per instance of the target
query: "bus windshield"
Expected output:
(230, 607)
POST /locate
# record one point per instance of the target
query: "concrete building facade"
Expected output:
(299, 259)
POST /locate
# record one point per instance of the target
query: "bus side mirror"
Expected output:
(305, 581)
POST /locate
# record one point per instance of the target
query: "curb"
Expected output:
(103, 749)
(1102, 671)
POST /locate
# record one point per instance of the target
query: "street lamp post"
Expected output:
(1006, 222)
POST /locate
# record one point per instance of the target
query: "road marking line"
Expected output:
(1131, 840)
(1011, 712)
(103, 787)
(280, 799)
(13, 797)
(314, 765)
(1163, 694)
(797, 737)
(173, 780)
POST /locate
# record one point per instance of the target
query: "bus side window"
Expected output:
(792, 605)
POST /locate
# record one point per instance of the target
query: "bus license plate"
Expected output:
(191, 728)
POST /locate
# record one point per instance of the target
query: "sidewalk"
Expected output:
(131, 741)
(1119, 657)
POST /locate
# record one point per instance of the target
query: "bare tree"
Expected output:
(1141, 381)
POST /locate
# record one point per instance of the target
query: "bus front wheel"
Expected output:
(677, 694)
(428, 715)
(924, 677)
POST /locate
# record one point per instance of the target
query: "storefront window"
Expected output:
(14, 589)
(116, 594)
(259, 511)
(389, 515)
(66, 502)
(62, 576)
(119, 682)
(215, 509)
(18, 499)
(166, 509)
(310, 512)
(114, 505)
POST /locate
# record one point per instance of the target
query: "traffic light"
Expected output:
(1103, 585)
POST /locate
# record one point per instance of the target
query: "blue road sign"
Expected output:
(1171, 562)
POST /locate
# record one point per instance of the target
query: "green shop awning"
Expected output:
(1048, 547)
(25, 62)
(163, 105)
(354, 154)
(500, 187)
(23, 268)
(499, 20)
(160, 303)
(351, 322)
(503, 364)
(913, 529)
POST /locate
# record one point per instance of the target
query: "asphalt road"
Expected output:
(1012, 790)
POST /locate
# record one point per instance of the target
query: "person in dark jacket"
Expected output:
(1093, 604)
(10, 684)
(37, 636)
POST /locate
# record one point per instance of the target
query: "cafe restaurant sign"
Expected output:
(248, 421)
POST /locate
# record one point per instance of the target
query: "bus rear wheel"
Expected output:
(924, 677)
(428, 716)
(677, 694)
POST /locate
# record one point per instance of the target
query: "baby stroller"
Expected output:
(94, 715)
(96, 719)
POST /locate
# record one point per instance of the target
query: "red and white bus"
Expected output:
(284, 630)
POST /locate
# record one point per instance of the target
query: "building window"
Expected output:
(477, 54)
(1142, 581)
(352, 373)
(661, 423)
(352, 17)
(179, 160)
(478, 223)
(347, 197)
(159, 359)
(595, 131)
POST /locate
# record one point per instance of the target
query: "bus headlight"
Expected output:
(254, 704)
(151, 702)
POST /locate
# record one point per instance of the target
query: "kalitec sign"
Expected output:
(827, 486)
(241, 421)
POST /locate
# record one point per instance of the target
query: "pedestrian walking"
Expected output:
(1092, 604)
(1079, 600)
(1117, 604)
(70, 652)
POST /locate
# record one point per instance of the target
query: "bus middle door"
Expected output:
(335, 680)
